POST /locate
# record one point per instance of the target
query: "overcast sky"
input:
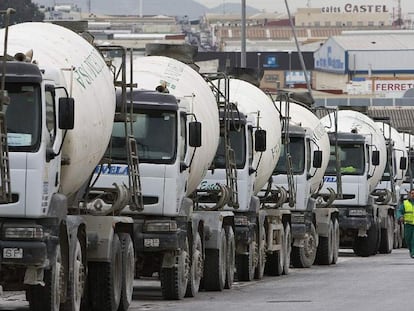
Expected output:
(279, 5)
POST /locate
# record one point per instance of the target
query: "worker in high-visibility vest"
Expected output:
(405, 213)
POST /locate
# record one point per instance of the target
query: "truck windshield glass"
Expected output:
(297, 153)
(351, 160)
(155, 133)
(23, 117)
(238, 144)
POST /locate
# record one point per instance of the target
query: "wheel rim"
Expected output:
(79, 275)
(288, 249)
(198, 263)
(57, 279)
(129, 273)
(117, 277)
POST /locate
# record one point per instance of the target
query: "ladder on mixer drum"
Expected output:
(134, 176)
(5, 190)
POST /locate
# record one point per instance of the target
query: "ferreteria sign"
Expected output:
(356, 8)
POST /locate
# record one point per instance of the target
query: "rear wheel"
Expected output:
(105, 280)
(196, 269)
(47, 297)
(128, 268)
(231, 250)
(304, 257)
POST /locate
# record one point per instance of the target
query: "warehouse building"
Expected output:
(376, 63)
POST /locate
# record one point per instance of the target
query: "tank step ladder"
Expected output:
(134, 176)
(5, 190)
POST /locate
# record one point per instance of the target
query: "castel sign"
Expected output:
(356, 8)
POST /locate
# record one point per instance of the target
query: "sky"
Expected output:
(279, 5)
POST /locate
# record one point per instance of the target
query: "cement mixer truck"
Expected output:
(389, 188)
(176, 122)
(300, 169)
(358, 152)
(255, 138)
(58, 105)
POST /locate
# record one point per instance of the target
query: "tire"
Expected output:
(47, 297)
(76, 284)
(304, 257)
(196, 269)
(324, 254)
(174, 280)
(128, 269)
(287, 248)
(367, 246)
(336, 241)
(245, 263)
(215, 266)
(231, 257)
(387, 237)
(275, 260)
(105, 280)
(261, 254)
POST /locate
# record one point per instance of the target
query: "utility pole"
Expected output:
(243, 36)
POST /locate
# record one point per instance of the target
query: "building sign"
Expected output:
(392, 88)
(356, 8)
(330, 58)
(296, 77)
(271, 62)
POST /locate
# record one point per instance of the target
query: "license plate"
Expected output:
(14, 253)
(151, 242)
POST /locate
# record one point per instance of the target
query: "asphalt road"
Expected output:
(377, 283)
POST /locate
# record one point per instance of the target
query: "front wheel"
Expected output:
(128, 268)
(387, 236)
(174, 280)
(105, 280)
(261, 254)
(304, 257)
(196, 269)
(231, 250)
(47, 297)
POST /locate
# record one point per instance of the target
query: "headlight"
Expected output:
(23, 233)
(160, 226)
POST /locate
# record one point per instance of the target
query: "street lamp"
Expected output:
(258, 66)
(289, 75)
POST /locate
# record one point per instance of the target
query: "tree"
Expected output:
(26, 11)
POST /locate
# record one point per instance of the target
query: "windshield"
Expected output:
(351, 160)
(297, 153)
(23, 117)
(155, 134)
(238, 144)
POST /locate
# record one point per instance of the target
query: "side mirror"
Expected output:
(66, 113)
(317, 159)
(403, 163)
(260, 140)
(195, 134)
(375, 157)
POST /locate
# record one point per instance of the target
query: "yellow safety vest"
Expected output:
(408, 212)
